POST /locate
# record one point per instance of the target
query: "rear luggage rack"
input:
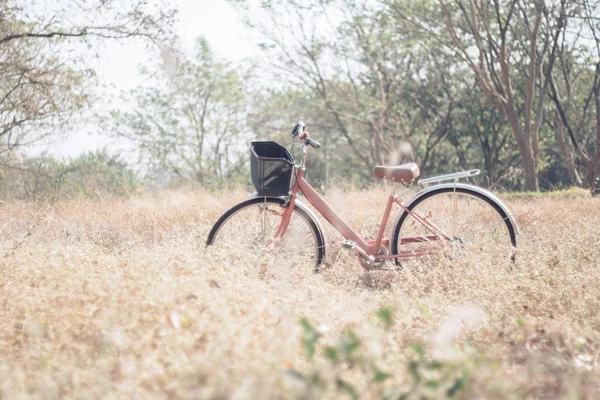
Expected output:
(450, 177)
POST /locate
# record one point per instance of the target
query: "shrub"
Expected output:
(44, 177)
(424, 374)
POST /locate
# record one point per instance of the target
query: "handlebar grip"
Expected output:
(313, 143)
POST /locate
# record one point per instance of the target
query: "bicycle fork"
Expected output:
(286, 216)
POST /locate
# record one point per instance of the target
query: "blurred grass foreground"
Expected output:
(110, 297)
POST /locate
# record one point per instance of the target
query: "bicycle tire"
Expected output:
(502, 220)
(278, 203)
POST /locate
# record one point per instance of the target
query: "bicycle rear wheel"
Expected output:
(477, 229)
(246, 231)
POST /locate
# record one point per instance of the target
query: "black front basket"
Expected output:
(272, 167)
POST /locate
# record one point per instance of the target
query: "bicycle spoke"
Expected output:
(478, 231)
(247, 238)
(454, 214)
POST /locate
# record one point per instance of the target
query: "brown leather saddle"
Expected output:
(401, 173)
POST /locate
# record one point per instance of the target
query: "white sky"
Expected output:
(117, 67)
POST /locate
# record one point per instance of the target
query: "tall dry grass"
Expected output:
(119, 298)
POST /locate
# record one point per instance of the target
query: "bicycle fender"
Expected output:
(300, 204)
(473, 188)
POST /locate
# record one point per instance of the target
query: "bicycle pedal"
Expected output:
(348, 244)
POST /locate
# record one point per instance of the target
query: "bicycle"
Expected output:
(443, 220)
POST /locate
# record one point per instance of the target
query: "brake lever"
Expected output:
(298, 129)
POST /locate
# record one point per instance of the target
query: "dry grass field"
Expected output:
(118, 298)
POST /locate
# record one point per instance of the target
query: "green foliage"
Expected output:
(310, 337)
(98, 173)
(189, 125)
(348, 346)
(345, 387)
(436, 379)
(391, 82)
(89, 175)
(376, 82)
(386, 316)
(45, 80)
(573, 192)
(424, 375)
(380, 376)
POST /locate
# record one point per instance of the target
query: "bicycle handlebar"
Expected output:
(312, 142)
(301, 133)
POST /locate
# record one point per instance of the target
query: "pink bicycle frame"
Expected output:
(365, 248)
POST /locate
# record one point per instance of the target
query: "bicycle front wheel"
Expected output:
(454, 224)
(246, 233)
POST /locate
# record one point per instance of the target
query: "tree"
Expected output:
(575, 93)
(480, 134)
(500, 41)
(44, 81)
(477, 84)
(190, 120)
(383, 93)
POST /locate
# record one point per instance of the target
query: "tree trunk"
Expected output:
(593, 170)
(528, 159)
(567, 153)
(531, 172)
(593, 167)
